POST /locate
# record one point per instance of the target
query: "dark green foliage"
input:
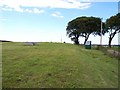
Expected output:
(113, 27)
(83, 26)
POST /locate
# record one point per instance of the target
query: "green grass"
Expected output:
(57, 65)
(116, 48)
(0, 65)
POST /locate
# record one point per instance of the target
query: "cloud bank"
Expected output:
(25, 5)
(99, 0)
(57, 14)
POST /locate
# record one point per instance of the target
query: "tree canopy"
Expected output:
(83, 26)
(113, 26)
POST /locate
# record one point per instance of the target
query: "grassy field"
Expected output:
(0, 65)
(57, 65)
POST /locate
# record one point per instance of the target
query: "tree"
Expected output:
(83, 26)
(73, 31)
(113, 27)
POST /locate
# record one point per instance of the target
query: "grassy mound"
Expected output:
(47, 65)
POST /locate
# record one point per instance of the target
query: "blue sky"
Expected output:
(46, 20)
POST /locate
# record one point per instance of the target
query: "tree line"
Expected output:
(85, 26)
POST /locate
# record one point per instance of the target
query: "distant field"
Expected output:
(57, 65)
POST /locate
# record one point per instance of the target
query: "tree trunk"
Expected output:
(110, 40)
(86, 38)
(77, 40)
(111, 37)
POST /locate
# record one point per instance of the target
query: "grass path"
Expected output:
(57, 65)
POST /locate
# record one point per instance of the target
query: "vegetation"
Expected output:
(116, 48)
(60, 65)
(0, 65)
(114, 51)
(83, 26)
(113, 27)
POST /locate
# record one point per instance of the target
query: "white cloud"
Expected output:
(100, 0)
(6, 9)
(57, 14)
(3, 19)
(18, 5)
(28, 10)
(35, 10)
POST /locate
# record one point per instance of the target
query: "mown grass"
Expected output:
(57, 65)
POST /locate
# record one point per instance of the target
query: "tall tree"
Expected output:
(73, 30)
(83, 26)
(113, 27)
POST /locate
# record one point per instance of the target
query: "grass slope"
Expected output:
(48, 65)
(0, 65)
